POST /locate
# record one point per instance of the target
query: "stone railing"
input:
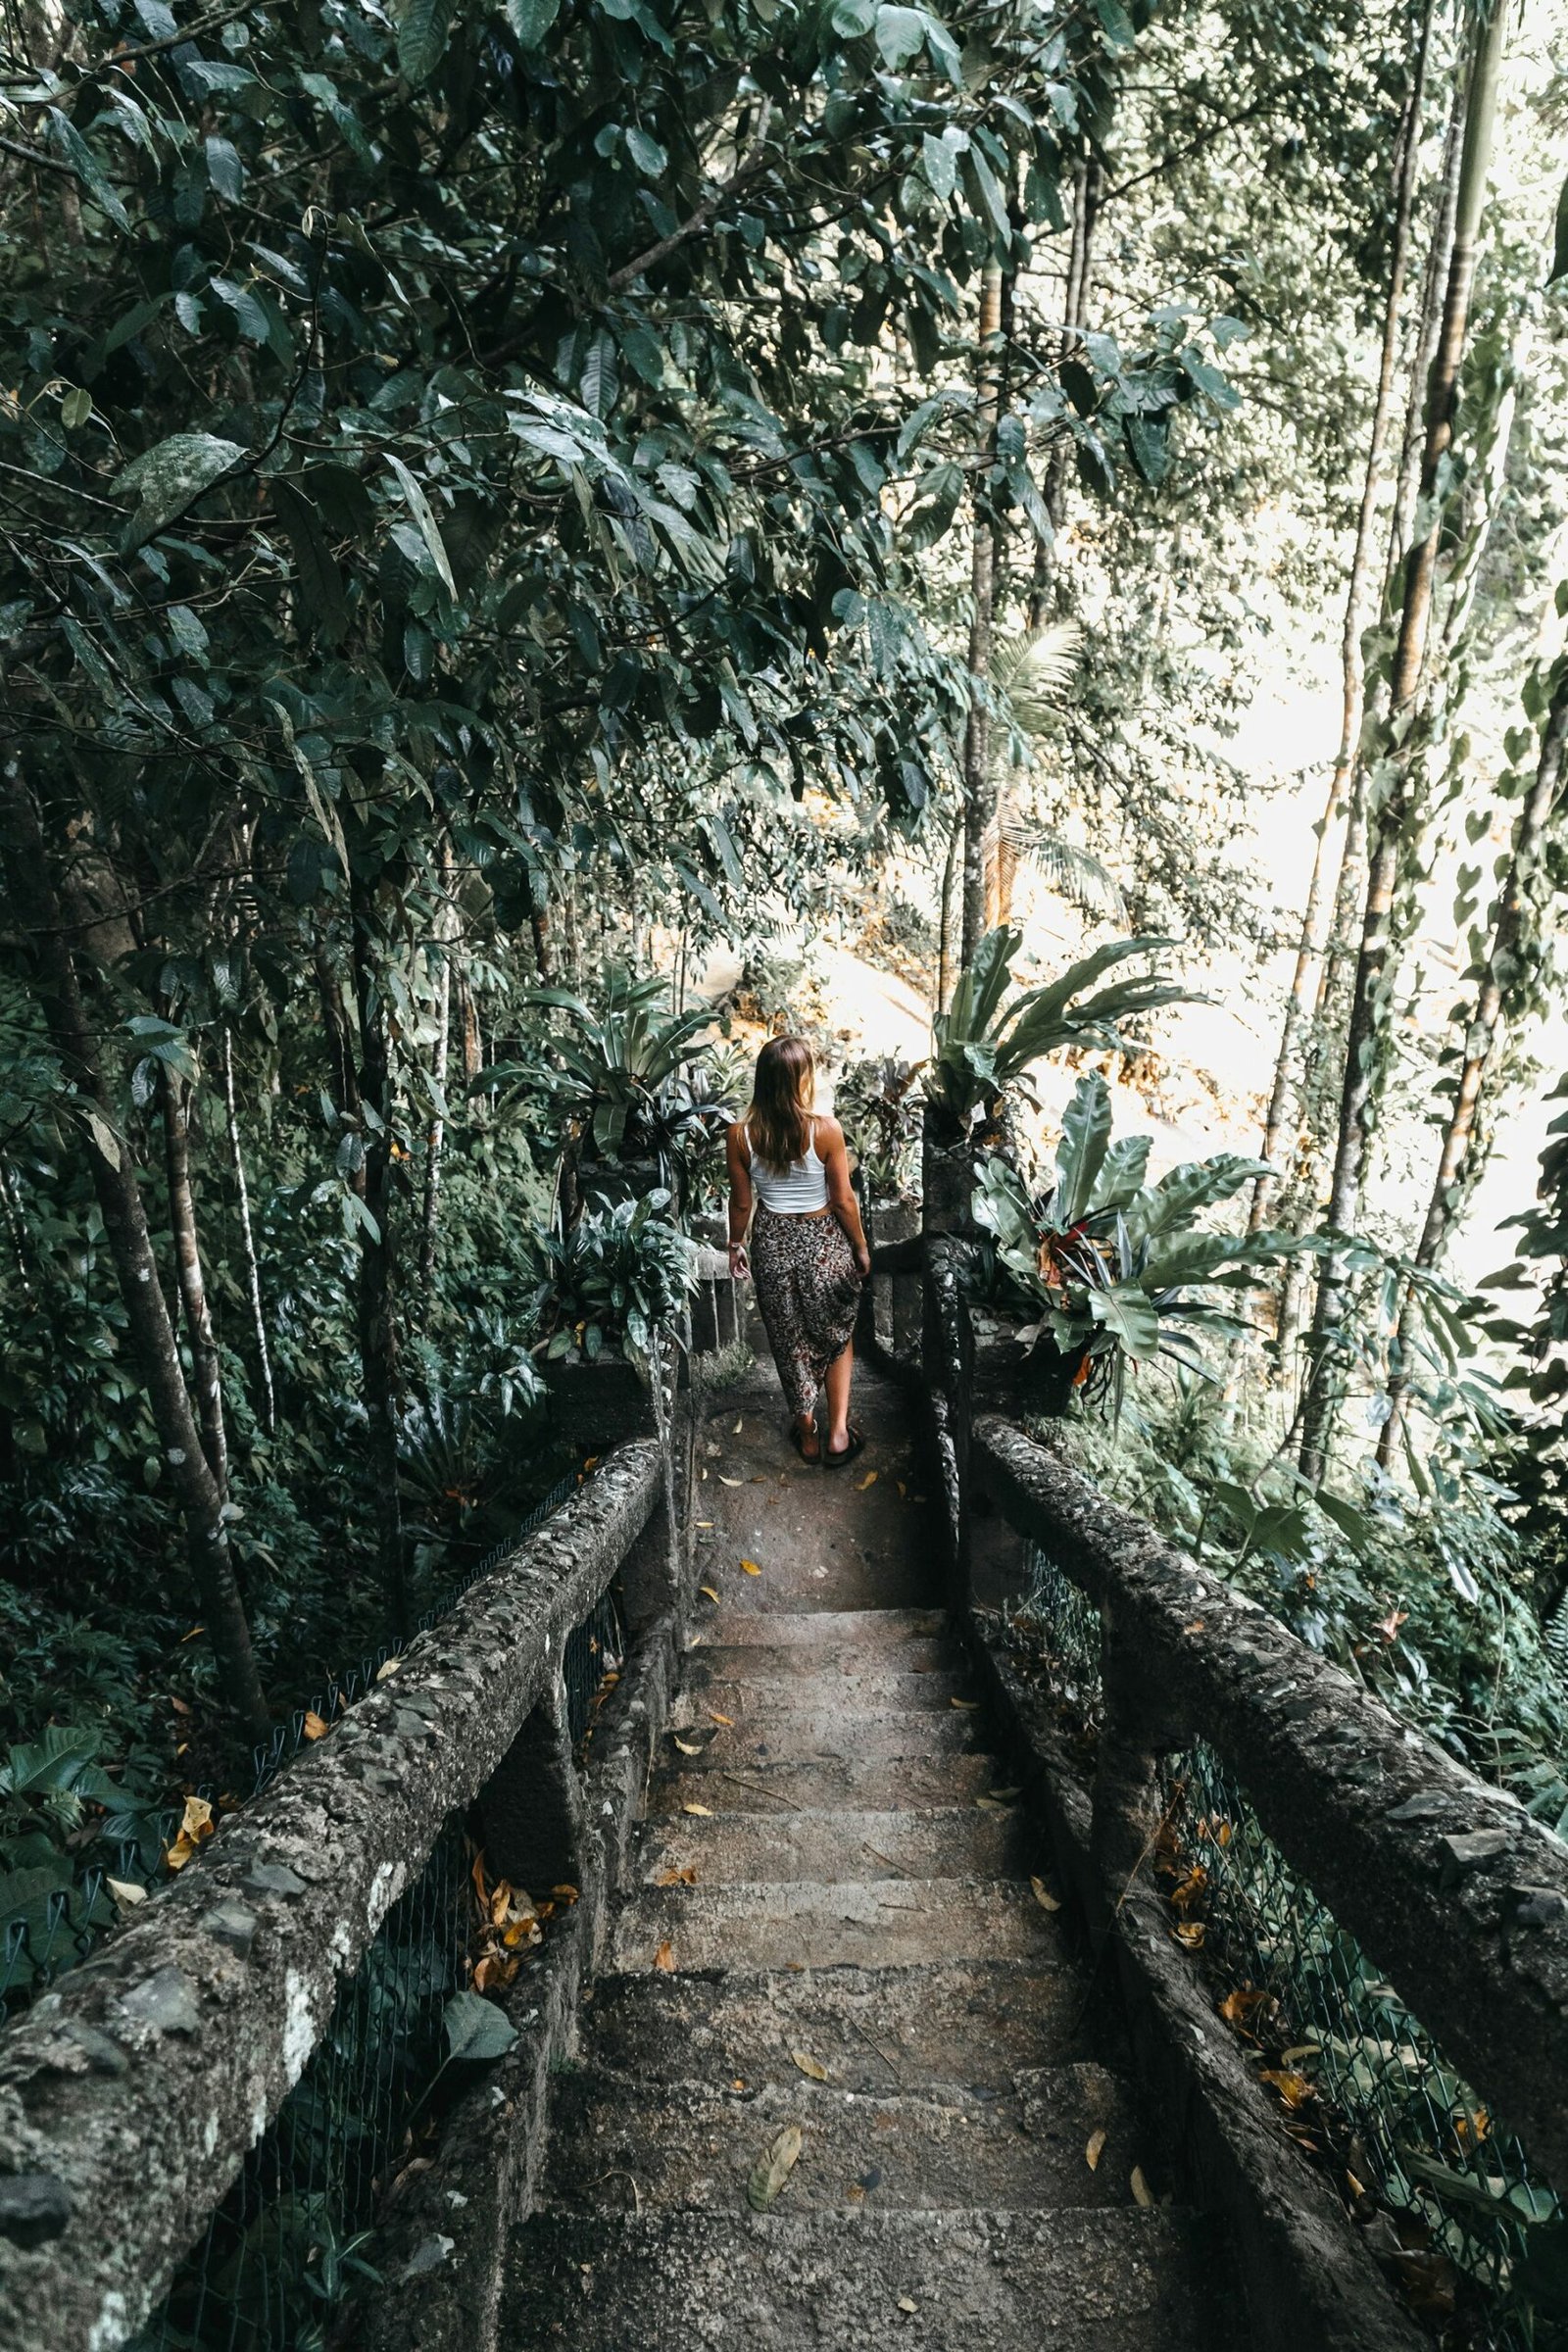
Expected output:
(1455, 1893)
(130, 2095)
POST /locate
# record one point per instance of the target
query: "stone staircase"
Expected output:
(836, 1937)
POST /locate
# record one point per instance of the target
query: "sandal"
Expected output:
(845, 1454)
(797, 1441)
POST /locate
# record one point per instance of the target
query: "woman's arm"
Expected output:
(740, 1199)
(840, 1193)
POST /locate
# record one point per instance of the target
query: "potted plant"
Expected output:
(616, 1285)
(1102, 1269)
(984, 1047)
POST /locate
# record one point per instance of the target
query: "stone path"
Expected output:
(826, 1879)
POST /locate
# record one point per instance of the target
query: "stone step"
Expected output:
(826, 1733)
(975, 2023)
(898, 1922)
(761, 1698)
(619, 2147)
(710, 1661)
(860, 1630)
(937, 1843)
(781, 2281)
(781, 1785)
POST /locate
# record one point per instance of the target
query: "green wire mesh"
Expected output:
(290, 2241)
(62, 1922)
(295, 2235)
(1478, 2241)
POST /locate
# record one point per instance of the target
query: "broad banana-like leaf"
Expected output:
(1126, 1167)
(1173, 1203)
(1128, 1314)
(1081, 1153)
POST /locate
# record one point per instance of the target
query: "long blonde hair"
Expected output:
(778, 1117)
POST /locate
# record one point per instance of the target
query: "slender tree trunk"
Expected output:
(1406, 174)
(1482, 1029)
(436, 1138)
(1360, 1086)
(379, 1367)
(120, 1203)
(949, 877)
(1088, 185)
(247, 1239)
(979, 797)
(14, 1226)
(207, 1372)
(1407, 482)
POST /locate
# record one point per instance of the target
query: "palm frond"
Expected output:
(1074, 874)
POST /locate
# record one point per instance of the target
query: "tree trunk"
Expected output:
(120, 1203)
(1481, 1031)
(979, 797)
(379, 1368)
(175, 1100)
(247, 1241)
(950, 876)
(436, 1136)
(1407, 483)
(1406, 172)
(1359, 1091)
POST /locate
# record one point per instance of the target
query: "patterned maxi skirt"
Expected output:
(809, 1291)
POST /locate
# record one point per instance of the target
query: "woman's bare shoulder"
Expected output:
(829, 1134)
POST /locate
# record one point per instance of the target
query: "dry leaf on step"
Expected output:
(1043, 1896)
(729, 1721)
(1095, 2150)
(314, 1726)
(905, 2305)
(688, 1747)
(664, 1957)
(750, 1568)
(773, 2168)
(903, 1489)
(739, 1426)
(728, 1482)
(809, 2065)
(964, 1702)
(869, 1480)
(708, 1591)
(703, 1812)
(1142, 2194)
(705, 1523)
(682, 1877)
(125, 1892)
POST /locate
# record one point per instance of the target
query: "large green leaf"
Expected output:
(172, 475)
(1196, 1184)
(422, 39)
(1127, 1312)
(1081, 1152)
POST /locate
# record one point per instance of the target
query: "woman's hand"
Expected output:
(740, 1266)
(862, 1261)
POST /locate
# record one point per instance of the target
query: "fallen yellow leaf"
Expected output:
(964, 1702)
(665, 1958)
(750, 1568)
(1043, 1896)
(387, 1667)
(739, 1426)
(125, 1892)
(676, 1878)
(314, 1726)
(809, 2065)
(687, 1748)
(903, 1489)
(1142, 2194)
(708, 1592)
(705, 1523)
(728, 1482)
(729, 1721)
(703, 1812)
(773, 2168)
(869, 1480)
(1096, 2149)
(567, 1894)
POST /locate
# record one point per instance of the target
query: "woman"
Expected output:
(808, 1254)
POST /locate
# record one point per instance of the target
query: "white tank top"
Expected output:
(801, 1189)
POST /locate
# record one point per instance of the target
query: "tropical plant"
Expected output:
(620, 1069)
(1114, 1269)
(1030, 673)
(983, 1045)
(617, 1282)
(879, 1108)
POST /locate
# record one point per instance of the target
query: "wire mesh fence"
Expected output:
(1478, 2242)
(60, 1909)
(295, 2238)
